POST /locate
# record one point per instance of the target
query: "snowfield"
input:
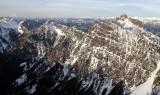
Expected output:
(146, 88)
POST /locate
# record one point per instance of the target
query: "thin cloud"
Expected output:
(120, 5)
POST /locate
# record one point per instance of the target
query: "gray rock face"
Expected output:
(112, 58)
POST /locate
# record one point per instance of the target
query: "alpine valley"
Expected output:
(80, 56)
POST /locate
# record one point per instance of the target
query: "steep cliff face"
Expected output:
(112, 58)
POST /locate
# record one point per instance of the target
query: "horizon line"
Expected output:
(95, 17)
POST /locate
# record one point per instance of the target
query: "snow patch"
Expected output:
(47, 69)
(22, 79)
(26, 66)
(155, 37)
(94, 63)
(146, 88)
(55, 30)
(33, 89)
(128, 24)
(109, 87)
(23, 64)
(72, 60)
(158, 93)
(65, 70)
(19, 27)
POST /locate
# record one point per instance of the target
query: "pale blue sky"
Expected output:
(80, 8)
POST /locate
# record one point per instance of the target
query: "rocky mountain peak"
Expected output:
(123, 16)
(112, 57)
(130, 24)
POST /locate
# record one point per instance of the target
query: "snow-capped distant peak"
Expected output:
(8, 23)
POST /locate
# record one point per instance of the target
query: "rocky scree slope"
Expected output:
(112, 58)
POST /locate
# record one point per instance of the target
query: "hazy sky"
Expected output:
(80, 8)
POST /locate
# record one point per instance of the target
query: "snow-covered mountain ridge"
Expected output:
(9, 32)
(112, 58)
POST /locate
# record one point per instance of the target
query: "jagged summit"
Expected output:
(130, 24)
(123, 16)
